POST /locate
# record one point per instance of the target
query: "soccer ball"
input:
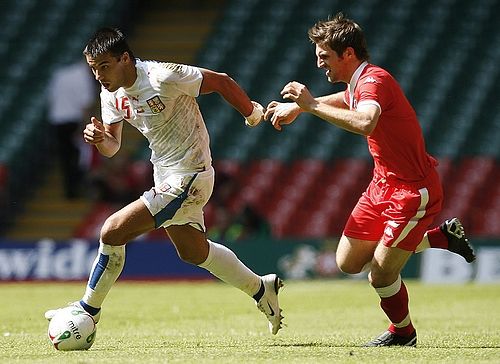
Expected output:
(72, 329)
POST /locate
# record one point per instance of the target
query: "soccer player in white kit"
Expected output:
(159, 99)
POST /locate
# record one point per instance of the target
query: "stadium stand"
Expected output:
(35, 38)
(306, 179)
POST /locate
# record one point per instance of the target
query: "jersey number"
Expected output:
(124, 105)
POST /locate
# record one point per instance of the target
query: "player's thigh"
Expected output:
(190, 242)
(353, 254)
(387, 264)
(127, 224)
(410, 212)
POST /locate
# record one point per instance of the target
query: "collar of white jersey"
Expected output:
(355, 77)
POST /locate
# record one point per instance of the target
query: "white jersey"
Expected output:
(161, 104)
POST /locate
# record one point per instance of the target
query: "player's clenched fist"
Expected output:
(281, 113)
(94, 132)
(298, 93)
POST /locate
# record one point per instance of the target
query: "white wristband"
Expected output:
(256, 116)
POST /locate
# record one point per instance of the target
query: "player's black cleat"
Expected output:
(457, 241)
(387, 338)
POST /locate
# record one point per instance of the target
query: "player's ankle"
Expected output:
(92, 310)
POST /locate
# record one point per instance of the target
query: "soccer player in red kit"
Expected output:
(391, 219)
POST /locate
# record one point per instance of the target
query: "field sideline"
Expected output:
(210, 322)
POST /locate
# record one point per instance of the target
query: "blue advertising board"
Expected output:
(72, 260)
(47, 259)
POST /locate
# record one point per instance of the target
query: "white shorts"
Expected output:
(179, 198)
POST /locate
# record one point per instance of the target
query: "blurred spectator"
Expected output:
(252, 223)
(248, 224)
(71, 95)
(225, 187)
(229, 225)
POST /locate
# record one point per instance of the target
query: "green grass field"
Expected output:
(210, 322)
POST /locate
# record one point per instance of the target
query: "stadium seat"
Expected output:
(256, 182)
(467, 183)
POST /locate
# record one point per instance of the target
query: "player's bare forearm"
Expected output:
(336, 100)
(108, 147)
(353, 121)
(282, 113)
(331, 108)
(106, 138)
(238, 98)
(228, 89)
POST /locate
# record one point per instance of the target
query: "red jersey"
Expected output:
(396, 144)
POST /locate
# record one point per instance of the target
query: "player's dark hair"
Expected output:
(107, 40)
(339, 33)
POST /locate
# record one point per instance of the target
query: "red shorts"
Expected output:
(396, 214)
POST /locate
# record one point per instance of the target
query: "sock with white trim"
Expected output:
(394, 301)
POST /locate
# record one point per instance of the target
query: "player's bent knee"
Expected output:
(348, 267)
(111, 233)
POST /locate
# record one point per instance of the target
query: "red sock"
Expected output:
(437, 239)
(395, 307)
(404, 331)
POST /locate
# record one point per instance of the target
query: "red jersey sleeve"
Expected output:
(373, 90)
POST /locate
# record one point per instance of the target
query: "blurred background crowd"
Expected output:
(298, 184)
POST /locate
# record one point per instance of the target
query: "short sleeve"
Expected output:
(373, 90)
(177, 79)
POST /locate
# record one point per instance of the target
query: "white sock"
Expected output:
(226, 266)
(107, 267)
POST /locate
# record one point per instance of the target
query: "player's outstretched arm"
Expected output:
(280, 113)
(106, 138)
(333, 109)
(233, 94)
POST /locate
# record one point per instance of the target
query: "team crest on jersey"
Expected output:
(156, 105)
